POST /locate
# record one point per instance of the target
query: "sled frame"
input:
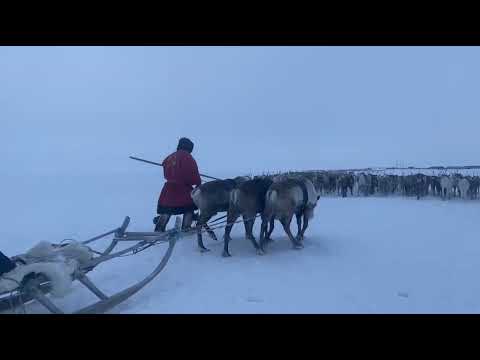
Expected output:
(37, 288)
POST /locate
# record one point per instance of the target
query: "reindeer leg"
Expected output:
(210, 232)
(270, 230)
(249, 221)
(263, 231)
(231, 218)
(299, 223)
(286, 226)
(202, 222)
(305, 225)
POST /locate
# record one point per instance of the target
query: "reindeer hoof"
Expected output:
(260, 252)
(298, 246)
(204, 249)
(226, 254)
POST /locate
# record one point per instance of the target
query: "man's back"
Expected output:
(181, 172)
(181, 168)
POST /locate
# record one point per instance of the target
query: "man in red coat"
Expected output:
(181, 172)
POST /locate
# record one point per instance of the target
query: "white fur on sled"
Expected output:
(56, 263)
(59, 273)
(44, 251)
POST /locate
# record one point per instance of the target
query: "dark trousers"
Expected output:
(162, 221)
(165, 212)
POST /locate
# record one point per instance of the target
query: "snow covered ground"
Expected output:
(70, 116)
(361, 255)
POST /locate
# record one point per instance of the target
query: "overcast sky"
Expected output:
(86, 109)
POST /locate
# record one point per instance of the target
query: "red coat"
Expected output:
(181, 172)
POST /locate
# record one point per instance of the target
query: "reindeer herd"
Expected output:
(280, 197)
(418, 185)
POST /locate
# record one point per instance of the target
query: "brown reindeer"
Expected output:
(248, 200)
(211, 198)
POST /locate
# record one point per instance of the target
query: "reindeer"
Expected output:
(363, 184)
(319, 183)
(384, 185)
(419, 185)
(248, 200)
(474, 186)
(345, 183)
(329, 182)
(350, 182)
(436, 186)
(463, 186)
(211, 198)
(408, 183)
(373, 184)
(284, 198)
(394, 181)
(455, 180)
(446, 184)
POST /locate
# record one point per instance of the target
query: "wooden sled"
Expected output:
(36, 286)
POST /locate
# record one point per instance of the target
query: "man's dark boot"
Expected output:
(162, 222)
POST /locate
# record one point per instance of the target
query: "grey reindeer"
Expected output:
(284, 198)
